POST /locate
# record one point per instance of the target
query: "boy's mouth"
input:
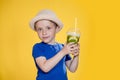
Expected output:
(45, 37)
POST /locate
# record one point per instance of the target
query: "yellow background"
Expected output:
(99, 23)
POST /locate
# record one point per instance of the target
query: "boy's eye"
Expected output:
(39, 29)
(48, 27)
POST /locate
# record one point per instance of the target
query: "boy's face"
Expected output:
(46, 31)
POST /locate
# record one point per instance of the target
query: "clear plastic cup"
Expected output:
(73, 35)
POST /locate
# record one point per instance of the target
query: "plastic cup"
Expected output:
(73, 36)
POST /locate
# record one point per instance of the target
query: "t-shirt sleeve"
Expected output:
(68, 57)
(37, 51)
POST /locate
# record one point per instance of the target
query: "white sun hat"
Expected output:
(47, 15)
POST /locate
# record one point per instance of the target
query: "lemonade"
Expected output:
(73, 37)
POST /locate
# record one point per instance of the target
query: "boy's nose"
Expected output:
(43, 32)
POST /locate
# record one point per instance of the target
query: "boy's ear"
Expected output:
(57, 29)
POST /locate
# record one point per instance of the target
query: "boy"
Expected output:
(51, 58)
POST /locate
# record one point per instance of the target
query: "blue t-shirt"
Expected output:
(59, 71)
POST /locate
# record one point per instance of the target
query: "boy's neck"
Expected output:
(52, 42)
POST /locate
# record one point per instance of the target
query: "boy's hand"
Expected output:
(71, 48)
(76, 49)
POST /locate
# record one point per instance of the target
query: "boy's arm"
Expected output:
(72, 65)
(46, 65)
